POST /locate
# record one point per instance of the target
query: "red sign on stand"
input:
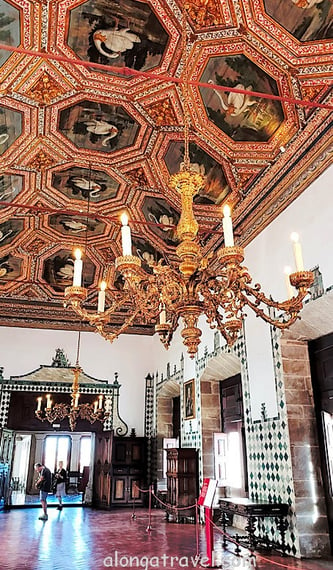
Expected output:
(206, 500)
(203, 492)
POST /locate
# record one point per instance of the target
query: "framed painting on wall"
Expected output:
(189, 399)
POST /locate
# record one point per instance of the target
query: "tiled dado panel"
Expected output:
(269, 456)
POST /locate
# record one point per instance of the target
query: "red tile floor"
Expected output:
(80, 538)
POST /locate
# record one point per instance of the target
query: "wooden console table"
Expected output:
(252, 511)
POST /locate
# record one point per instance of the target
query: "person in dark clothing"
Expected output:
(44, 484)
(60, 478)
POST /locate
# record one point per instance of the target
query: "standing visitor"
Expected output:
(43, 483)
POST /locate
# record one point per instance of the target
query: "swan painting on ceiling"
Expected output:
(10, 127)
(162, 219)
(84, 184)
(216, 187)
(306, 20)
(78, 226)
(10, 187)
(10, 268)
(98, 126)
(239, 114)
(9, 230)
(118, 34)
(58, 270)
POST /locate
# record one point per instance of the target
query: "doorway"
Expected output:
(321, 362)
(73, 449)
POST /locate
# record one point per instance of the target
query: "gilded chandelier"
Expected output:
(92, 412)
(189, 288)
(218, 286)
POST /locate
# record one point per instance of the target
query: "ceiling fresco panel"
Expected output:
(10, 187)
(10, 267)
(240, 115)
(146, 251)
(10, 127)
(71, 225)
(98, 126)
(10, 28)
(83, 184)
(163, 219)
(306, 20)
(119, 34)
(9, 231)
(216, 187)
(58, 270)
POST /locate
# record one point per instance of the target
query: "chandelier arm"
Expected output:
(116, 305)
(111, 336)
(290, 309)
(57, 412)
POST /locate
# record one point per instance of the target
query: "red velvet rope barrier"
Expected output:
(126, 71)
(258, 557)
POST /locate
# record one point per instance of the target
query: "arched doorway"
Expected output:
(223, 432)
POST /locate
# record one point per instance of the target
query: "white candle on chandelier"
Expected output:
(95, 406)
(126, 240)
(227, 227)
(287, 272)
(297, 252)
(100, 402)
(77, 277)
(162, 315)
(101, 297)
(39, 404)
(48, 401)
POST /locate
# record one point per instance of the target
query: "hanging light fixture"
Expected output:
(218, 286)
(96, 411)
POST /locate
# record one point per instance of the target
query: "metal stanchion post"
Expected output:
(149, 527)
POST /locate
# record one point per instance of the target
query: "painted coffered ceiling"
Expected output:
(91, 125)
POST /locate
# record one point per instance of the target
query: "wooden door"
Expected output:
(6, 459)
(102, 470)
(321, 360)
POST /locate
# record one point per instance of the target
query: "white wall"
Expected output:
(24, 350)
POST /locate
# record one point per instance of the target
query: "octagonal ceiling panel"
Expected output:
(119, 34)
(216, 187)
(146, 251)
(162, 219)
(9, 230)
(306, 20)
(10, 28)
(83, 183)
(10, 267)
(240, 115)
(10, 127)
(58, 270)
(98, 126)
(10, 187)
(71, 225)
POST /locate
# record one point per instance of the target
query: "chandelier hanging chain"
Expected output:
(185, 93)
(217, 286)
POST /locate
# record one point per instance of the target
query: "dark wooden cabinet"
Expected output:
(128, 471)
(182, 484)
